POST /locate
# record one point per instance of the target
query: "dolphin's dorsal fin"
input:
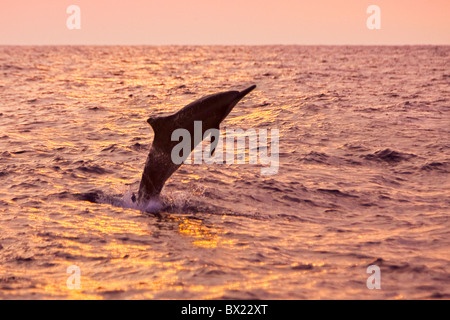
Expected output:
(159, 124)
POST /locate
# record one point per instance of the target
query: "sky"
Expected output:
(224, 22)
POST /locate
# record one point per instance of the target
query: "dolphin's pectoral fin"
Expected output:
(214, 142)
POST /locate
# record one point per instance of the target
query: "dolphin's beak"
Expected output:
(238, 98)
(243, 93)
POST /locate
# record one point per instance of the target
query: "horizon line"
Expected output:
(229, 45)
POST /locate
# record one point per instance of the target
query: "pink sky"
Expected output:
(157, 22)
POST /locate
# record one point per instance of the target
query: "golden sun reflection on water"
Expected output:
(203, 236)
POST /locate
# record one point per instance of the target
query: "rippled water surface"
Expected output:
(363, 177)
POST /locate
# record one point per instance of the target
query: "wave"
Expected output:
(389, 156)
(436, 166)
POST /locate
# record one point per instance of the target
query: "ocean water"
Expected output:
(363, 179)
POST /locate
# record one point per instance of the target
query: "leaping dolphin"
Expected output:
(210, 110)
